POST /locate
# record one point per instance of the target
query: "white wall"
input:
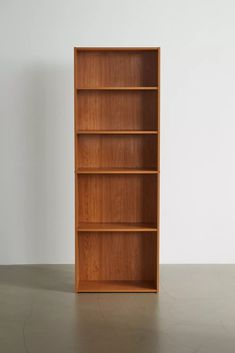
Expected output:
(198, 121)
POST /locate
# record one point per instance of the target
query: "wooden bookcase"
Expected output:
(117, 140)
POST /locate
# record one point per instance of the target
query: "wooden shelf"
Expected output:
(117, 163)
(116, 49)
(117, 132)
(116, 227)
(115, 171)
(143, 88)
(117, 286)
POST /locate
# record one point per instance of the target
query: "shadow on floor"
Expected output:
(48, 277)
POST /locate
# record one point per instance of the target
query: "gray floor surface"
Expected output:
(193, 313)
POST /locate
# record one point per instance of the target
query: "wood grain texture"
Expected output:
(116, 171)
(117, 198)
(117, 110)
(117, 151)
(130, 88)
(120, 69)
(117, 165)
(114, 256)
(117, 286)
(158, 179)
(115, 49)
(75, 177)
(117, 132)
(116, 227)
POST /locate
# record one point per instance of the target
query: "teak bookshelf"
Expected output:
(117, 150)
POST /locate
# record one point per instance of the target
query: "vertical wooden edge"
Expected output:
(158, 176)
(75, 175)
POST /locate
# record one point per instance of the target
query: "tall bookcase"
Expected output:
(117, 141)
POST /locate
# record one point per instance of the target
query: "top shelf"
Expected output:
(124, 88)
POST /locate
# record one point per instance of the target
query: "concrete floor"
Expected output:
(193, 313)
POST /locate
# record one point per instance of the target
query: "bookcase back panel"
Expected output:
(117, 256)
(117, 151)
(117, 198)
(116, 110)
(110, 68)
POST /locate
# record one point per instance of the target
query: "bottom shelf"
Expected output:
(117, 286)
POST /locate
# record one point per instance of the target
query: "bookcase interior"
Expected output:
(116, 68)
(132, 257)
(117, 151)
(116, 110)
(117, 198)
(117, 164)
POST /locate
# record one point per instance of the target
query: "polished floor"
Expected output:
(193, 313)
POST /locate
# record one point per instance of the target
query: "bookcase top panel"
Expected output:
(117, 48)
